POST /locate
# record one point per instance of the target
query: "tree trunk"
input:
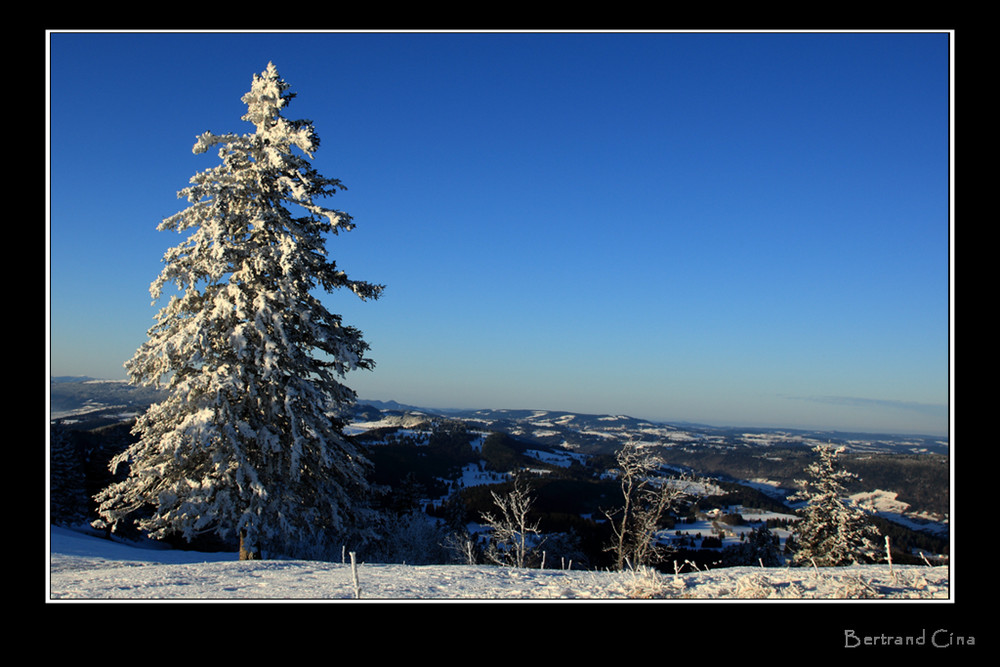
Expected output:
(245, 553)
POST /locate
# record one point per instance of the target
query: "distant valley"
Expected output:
(905, 479)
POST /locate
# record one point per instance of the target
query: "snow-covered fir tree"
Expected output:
(249, 443)
(833, 530)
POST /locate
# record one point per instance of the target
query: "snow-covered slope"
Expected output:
(85, 567)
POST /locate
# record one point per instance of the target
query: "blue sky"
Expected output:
(739, 229)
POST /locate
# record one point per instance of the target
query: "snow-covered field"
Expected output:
(84, 567)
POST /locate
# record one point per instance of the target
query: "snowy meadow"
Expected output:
(88, 568)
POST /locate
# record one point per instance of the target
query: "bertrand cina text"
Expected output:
(940, 638)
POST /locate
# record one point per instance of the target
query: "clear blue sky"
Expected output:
(739, 229)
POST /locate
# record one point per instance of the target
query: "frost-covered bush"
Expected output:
(646, 499)
(644, 582)
(514, 538)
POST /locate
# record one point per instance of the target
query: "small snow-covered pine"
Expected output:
(833, 530)
(249, 442)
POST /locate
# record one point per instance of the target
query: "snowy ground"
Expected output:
(84, 567)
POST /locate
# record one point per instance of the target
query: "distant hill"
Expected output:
(71, 398)
(395, 406)
(593, 432)
(431, 455)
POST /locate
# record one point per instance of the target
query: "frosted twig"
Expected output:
(888, 557)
